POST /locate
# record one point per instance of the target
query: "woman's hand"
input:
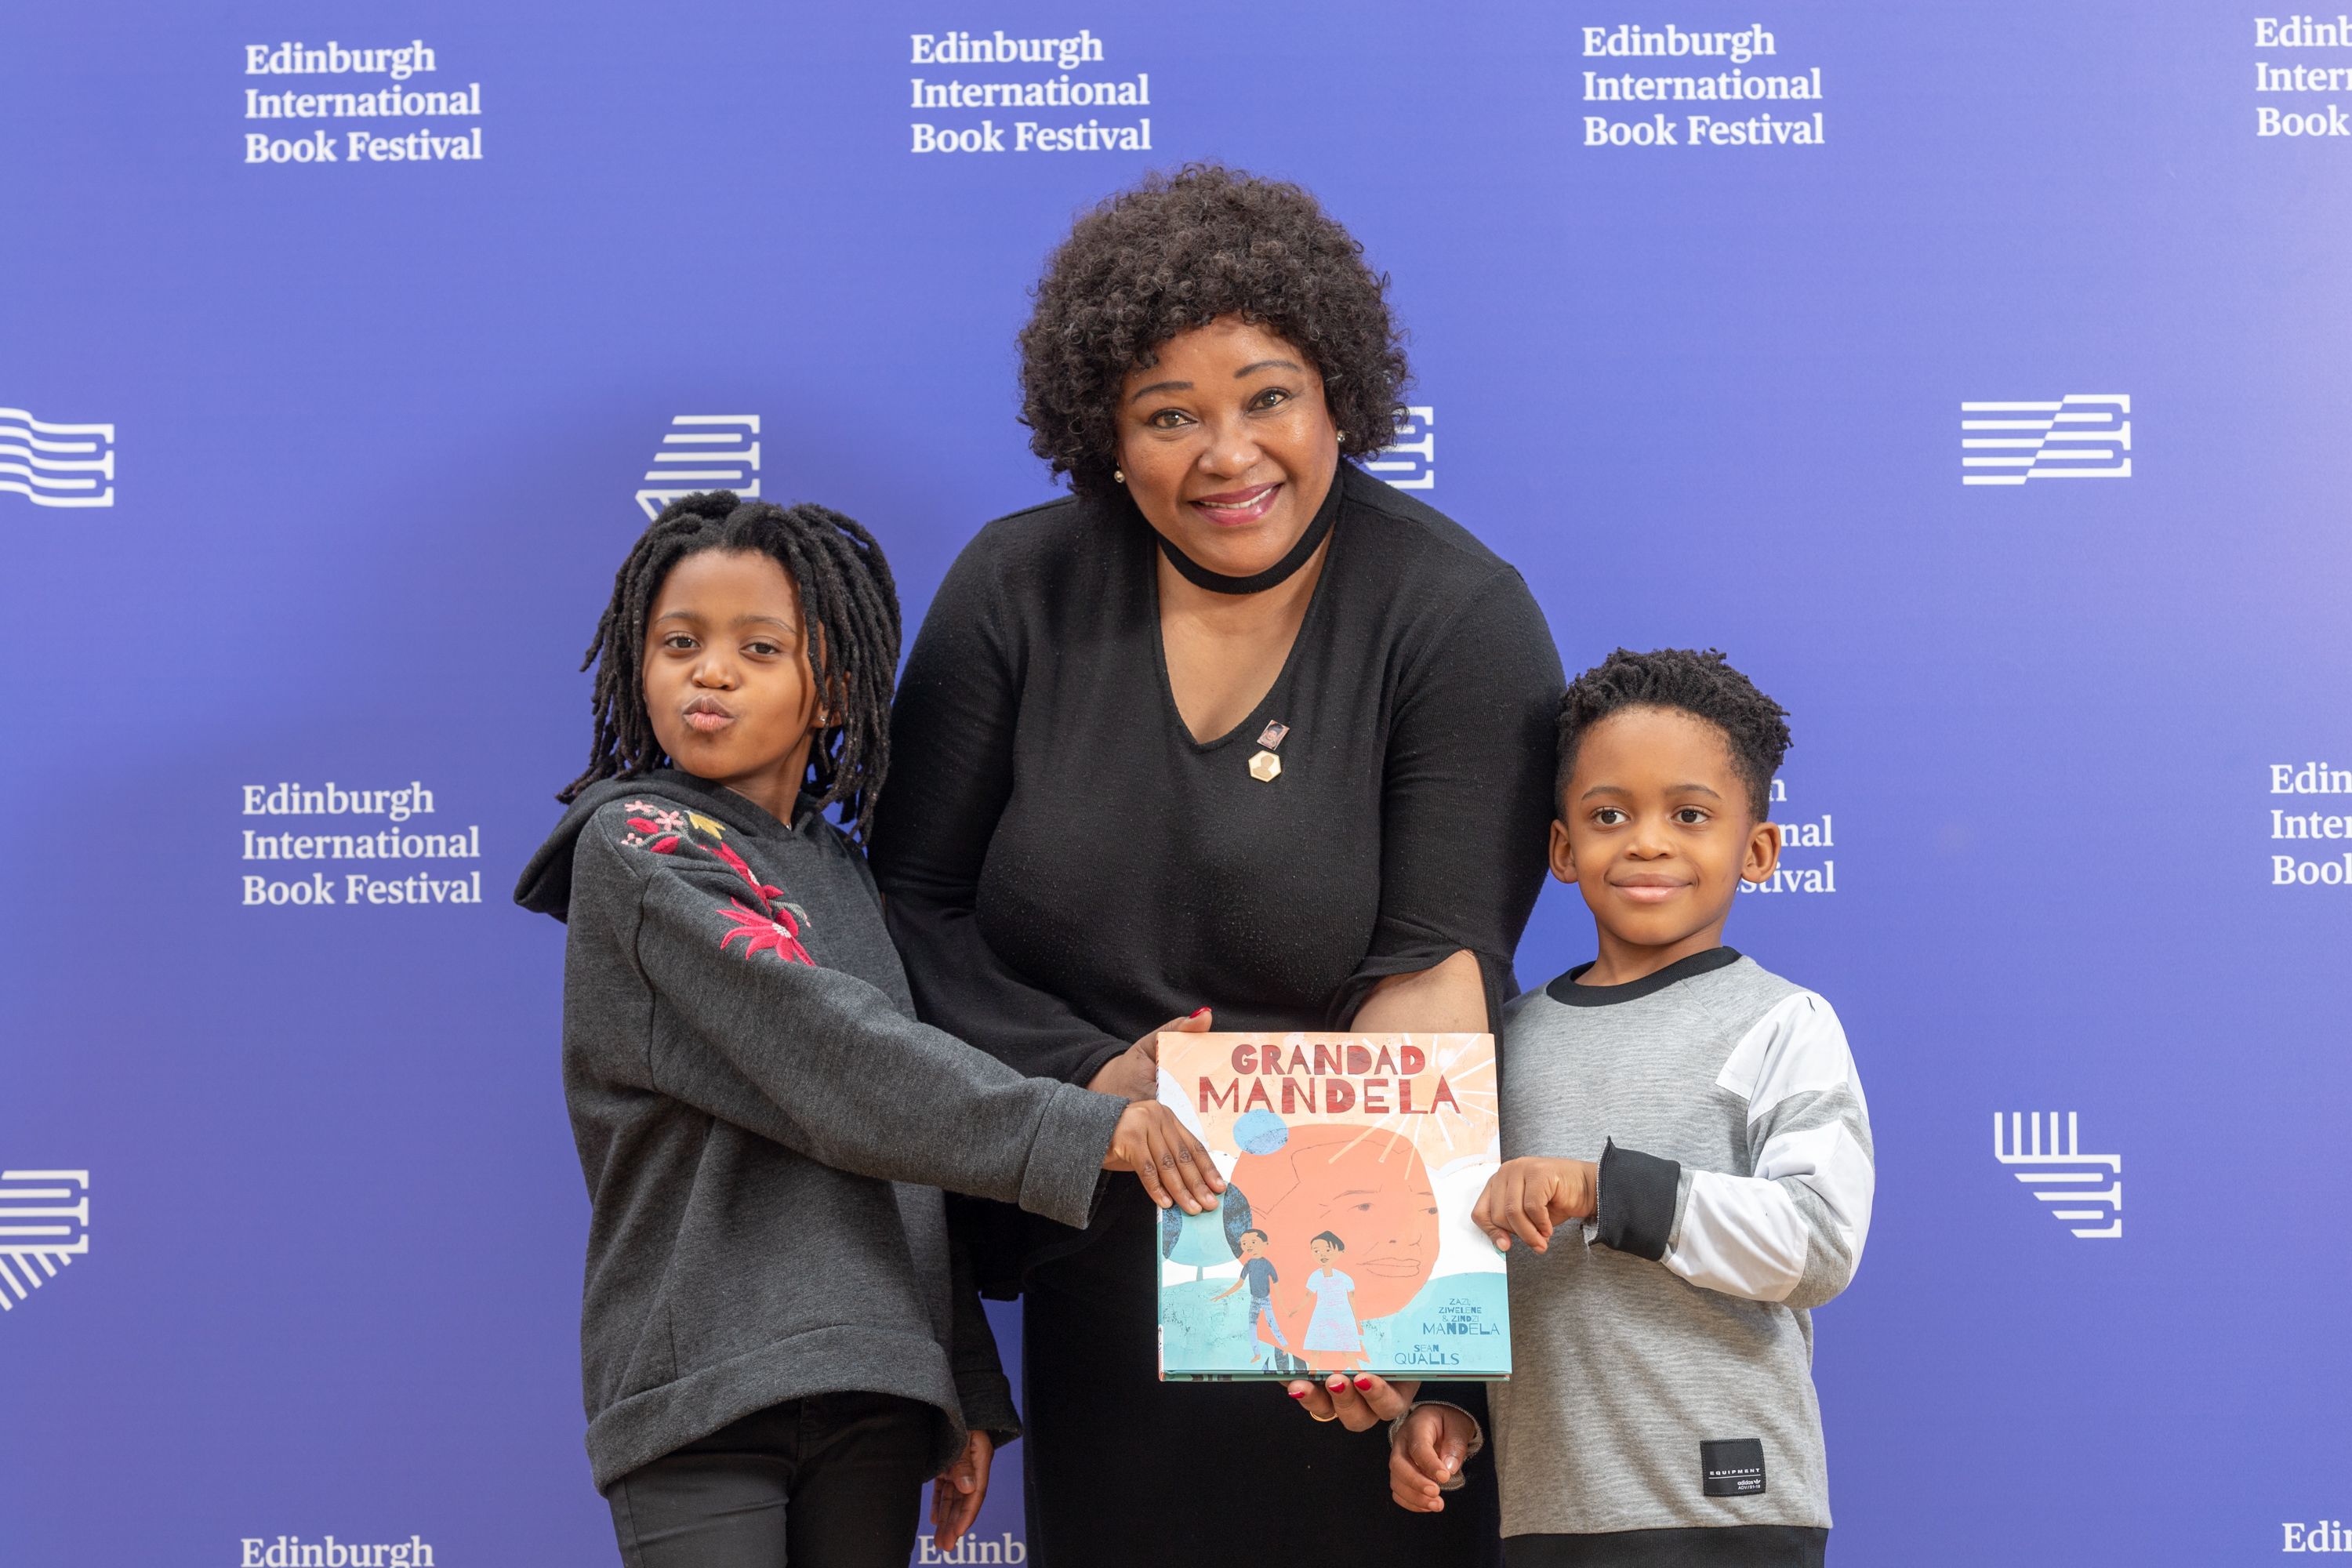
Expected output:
(1360, 1404)
(960, 1490)
(1134, 1073)
(1174, 1166)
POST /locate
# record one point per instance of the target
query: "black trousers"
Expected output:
(1125, 1471)
(830, 1481)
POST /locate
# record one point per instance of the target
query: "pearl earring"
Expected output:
(1119, 476)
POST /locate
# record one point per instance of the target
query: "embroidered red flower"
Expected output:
(780, 935)
(671, 827)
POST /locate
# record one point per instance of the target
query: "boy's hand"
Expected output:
(1427, 1457)
(960, 1490)
(1134, 1073)
(1531, 1197)
(1157, 1147)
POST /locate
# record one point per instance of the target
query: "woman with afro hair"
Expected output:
(1233, 728)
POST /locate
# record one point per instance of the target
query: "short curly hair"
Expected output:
(1174, 253)
(1701, 684)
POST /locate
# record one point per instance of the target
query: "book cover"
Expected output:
(1344, 1240)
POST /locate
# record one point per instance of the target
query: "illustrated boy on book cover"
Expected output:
(1343, 1242)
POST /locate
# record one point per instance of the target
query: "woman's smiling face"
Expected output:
(1227, 445)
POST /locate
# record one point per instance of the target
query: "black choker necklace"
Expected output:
(1282, 571)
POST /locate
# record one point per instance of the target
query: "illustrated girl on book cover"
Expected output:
(1333, 1326)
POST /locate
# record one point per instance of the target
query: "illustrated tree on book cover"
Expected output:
(1205, 1240)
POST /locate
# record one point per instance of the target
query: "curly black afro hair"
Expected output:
(1177, 252)
(1700, 684)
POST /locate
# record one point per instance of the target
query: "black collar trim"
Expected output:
(1566, 990)
(1282, 571)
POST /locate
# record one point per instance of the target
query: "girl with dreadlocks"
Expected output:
(779, 1344)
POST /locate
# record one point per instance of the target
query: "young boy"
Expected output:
(1258, 1274)
(1700, 1118)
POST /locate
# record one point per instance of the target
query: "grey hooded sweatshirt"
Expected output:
(764, 1128)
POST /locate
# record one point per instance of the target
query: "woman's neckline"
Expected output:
(1316, 595)
(1317, 527)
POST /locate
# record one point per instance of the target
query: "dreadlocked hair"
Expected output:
(849, 607)
(1700, 684)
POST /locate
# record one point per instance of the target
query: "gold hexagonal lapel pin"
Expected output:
(1265, 767)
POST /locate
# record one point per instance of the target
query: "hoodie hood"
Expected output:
(546, 882)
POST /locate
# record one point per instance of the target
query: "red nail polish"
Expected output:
(1363, 1383)
(1296, 1392)
(1198, 1011)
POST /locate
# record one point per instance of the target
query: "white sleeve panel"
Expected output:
(1797, 1047)
(1739, 1235)
(1793, 1230)
(1830, 1165)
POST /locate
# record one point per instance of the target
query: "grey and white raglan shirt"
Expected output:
(1662, 1378)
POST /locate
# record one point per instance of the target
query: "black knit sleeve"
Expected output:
(1467, 804)
(951, 773)
(981, 1387)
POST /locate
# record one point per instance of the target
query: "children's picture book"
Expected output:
(1343, 1242)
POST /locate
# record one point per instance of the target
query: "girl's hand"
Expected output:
(1175, 1167)
(1134, 1073)
(1530, 1197)
(960, 1490)
(1359, 1403)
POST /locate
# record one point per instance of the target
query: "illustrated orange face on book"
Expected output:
(1367, 1189)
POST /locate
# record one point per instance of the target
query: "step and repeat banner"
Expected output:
(1978, 377)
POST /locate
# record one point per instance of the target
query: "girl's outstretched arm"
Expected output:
(743, 1026)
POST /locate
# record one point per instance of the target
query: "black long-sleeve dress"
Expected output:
(1066, 867)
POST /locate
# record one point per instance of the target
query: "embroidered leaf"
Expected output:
(640, 825)
(664, 845)
(715, 829)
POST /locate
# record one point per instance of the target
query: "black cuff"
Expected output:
(1094, 1061)
(1637, 1201)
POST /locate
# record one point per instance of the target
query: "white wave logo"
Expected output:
(2054, 1169)
(703, 452)
(2080, 436)
(1406, 463)
(43, 1226)
(56, 465)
